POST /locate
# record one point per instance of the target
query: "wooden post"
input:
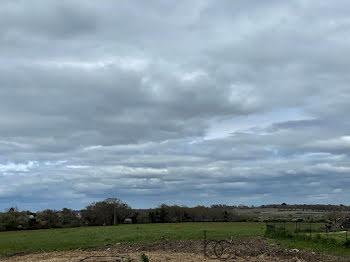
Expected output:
(310, 229)
(205, 243)
(346, 234)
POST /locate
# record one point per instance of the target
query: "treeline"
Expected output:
(178, 214)
(113, 211)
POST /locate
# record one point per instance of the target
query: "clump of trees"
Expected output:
(13, 219)
(18, 220)
(108, 212)
(111, 211)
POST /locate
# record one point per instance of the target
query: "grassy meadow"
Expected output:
(86, 237)
(27, 241)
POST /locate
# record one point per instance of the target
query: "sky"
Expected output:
(179, 102)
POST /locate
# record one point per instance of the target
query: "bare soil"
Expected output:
(243, 249)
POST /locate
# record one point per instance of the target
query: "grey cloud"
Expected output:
(55, 20)
(123, 99)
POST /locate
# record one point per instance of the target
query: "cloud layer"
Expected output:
(187, 102)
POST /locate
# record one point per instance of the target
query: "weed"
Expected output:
(144, 258)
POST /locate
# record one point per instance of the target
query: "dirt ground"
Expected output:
(245, 249)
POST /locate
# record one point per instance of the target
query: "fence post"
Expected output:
(296, 226)
(310, 229)
(205, 244)
(326, 232)
(284, 225)
(346, 234)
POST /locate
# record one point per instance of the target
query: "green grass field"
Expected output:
(87, 237)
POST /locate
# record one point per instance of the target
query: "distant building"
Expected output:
(128, 221)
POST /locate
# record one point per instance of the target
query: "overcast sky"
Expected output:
(177, 102)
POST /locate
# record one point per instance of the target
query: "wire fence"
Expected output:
(309, 228)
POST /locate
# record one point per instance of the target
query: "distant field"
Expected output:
(87, 237)
(275, 213)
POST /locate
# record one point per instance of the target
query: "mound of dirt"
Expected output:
(243, 249)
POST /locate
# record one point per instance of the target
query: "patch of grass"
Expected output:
(88, 237)
(316, 243)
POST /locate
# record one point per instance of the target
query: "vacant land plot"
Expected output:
(88, 237)
(243, 249)
(182, 241)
